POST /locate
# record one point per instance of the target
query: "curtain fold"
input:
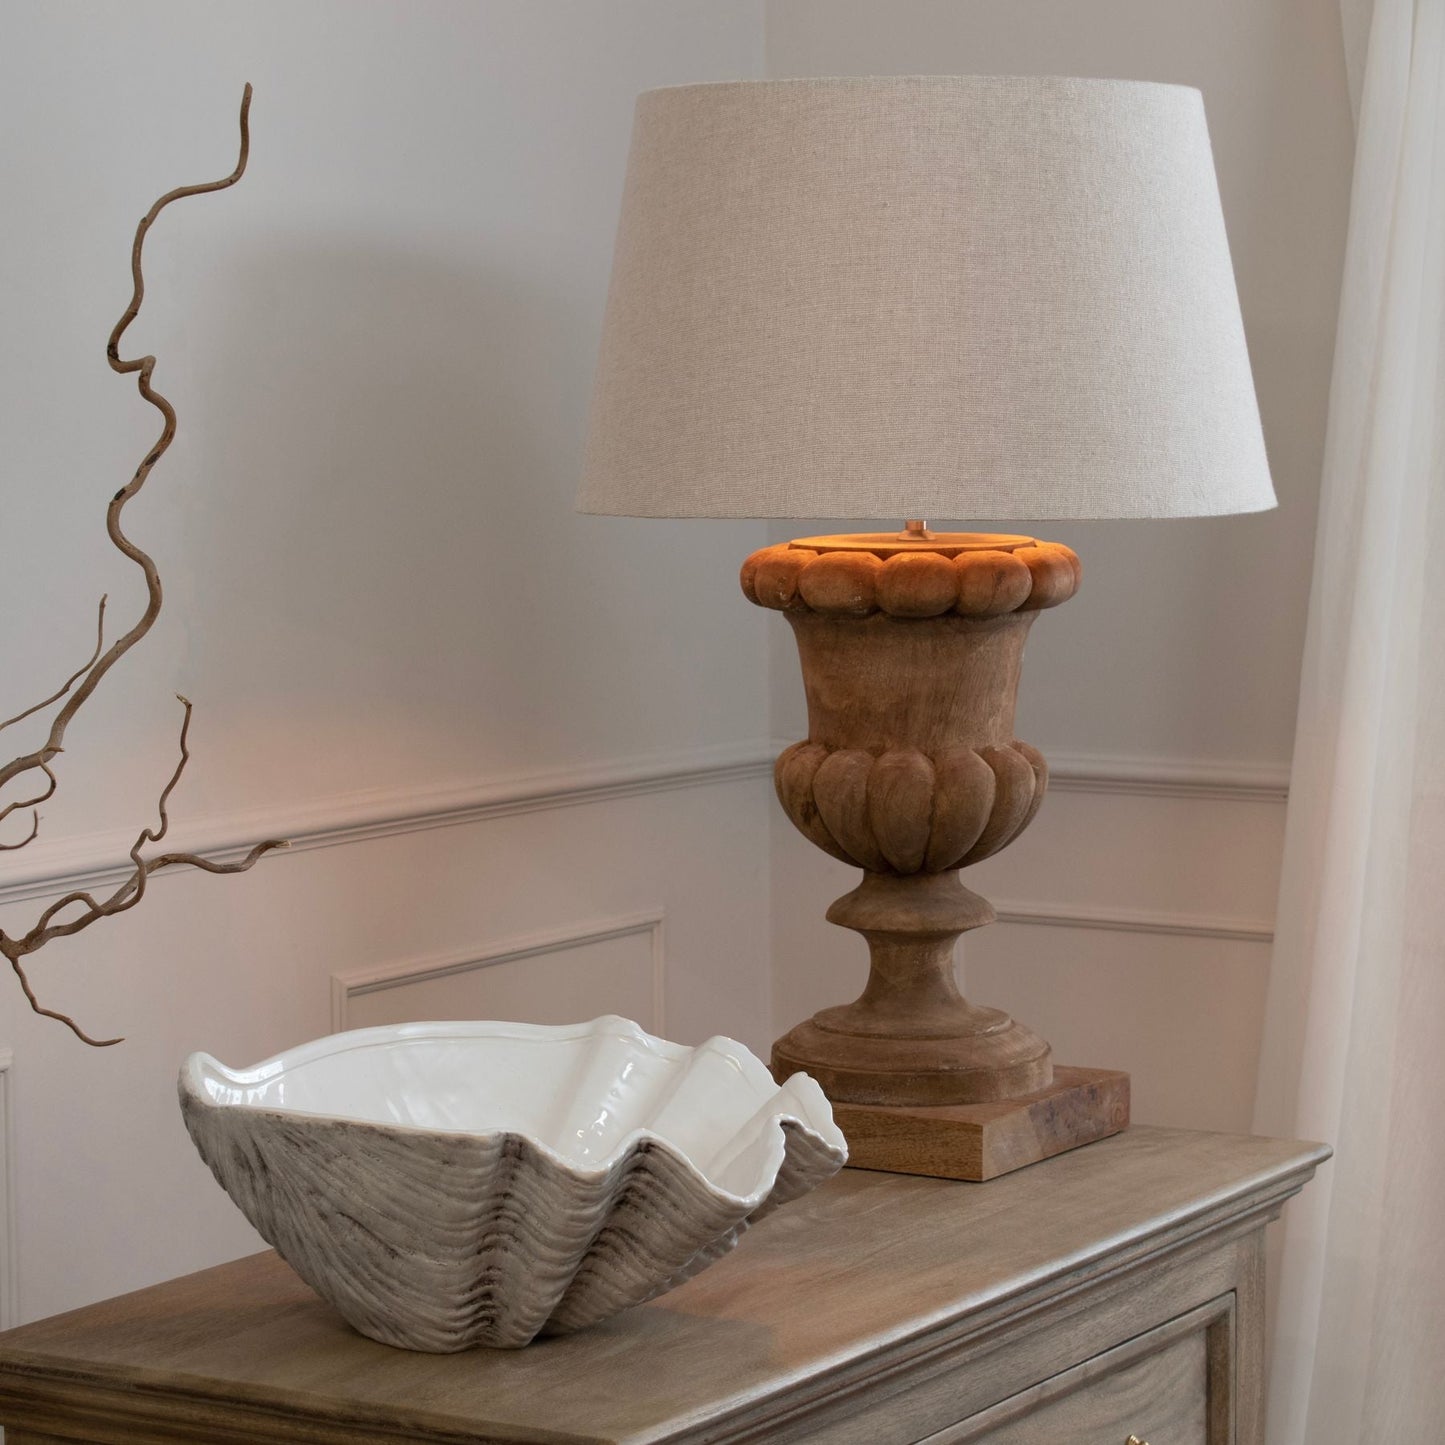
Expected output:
(1354, 1043)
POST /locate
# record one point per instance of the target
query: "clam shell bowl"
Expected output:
(446, 1185)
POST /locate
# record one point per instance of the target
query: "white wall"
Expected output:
(380, 345)
(504, 735)
(1142, 896)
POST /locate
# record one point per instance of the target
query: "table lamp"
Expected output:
(973, 297)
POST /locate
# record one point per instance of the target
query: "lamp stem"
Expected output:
(915, 529)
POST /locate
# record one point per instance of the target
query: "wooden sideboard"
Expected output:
(1114, 1291)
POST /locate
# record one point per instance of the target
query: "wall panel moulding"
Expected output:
(613, 965)
(1128, 920)
(1202, 778)
(93, 862)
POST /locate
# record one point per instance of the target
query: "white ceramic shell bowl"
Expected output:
(446, 1185)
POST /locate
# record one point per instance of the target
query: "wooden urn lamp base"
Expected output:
(911, 646)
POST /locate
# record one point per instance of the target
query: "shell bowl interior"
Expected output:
(446, 1185)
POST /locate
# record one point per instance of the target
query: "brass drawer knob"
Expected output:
(1135, 1440)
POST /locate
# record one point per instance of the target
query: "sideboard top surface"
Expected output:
(868, 1267)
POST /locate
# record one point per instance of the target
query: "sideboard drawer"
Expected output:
(1168, 1386)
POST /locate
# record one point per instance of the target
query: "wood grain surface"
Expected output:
(982, 1141)
(887, 1304)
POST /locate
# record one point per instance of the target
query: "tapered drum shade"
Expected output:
(972, 297)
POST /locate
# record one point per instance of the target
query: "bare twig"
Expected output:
(49, 792)
(34, 816)
(130, 891)
(71, 680)
(40, 707)
(50, 1013)
(145, 365)
(60, 904)
(28, 838)
(87, 679)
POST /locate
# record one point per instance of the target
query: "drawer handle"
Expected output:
(1135, 1440)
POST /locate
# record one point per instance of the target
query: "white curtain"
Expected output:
(1354, 1047)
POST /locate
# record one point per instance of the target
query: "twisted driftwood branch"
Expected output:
(71, 680)
(82, 683)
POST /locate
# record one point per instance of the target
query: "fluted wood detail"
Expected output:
(962, 804)
(794, 776)
(840, 793)
(900, 807)
(1016, 784)
(903, 811)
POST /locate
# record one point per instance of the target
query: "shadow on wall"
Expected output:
(386, 554)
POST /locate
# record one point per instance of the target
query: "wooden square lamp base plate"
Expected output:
(982, 1141)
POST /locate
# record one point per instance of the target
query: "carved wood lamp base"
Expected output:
(912, 1038)
(910, 647)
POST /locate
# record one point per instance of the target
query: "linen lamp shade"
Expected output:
(966, 297)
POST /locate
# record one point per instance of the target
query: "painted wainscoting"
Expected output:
(615, 965)
(1135, 922)
(639, 886)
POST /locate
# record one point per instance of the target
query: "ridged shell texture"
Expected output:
(630, 1165)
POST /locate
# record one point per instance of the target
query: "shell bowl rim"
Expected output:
(810, 1111)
